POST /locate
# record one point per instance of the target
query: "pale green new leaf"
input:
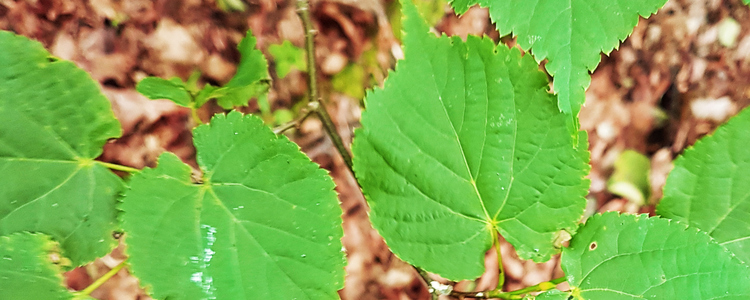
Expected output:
(264, 223)
(231, 5)
(619, 257)
(26, 269)
(206, 93)
(156, 88)
(251, 78)
(286, 56)
(709, 187)
(570, 34)
(54, 123)
(465, 141)
(630, 177)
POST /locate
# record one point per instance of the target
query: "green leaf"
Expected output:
(251, 78)
(54, 123)
(464, 141)
(287, 56)
(630, 178)
(156, 88)
(206, 93)
(708, 187)
(264, 223)
(26, 269)
(570, 34)
(635, 257)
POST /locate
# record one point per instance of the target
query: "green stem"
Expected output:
(118, 167)
(88, 290)
(501, 275)
(335, 137)
(194, 113)
(544, 286)
(517, 294)
(303, 9)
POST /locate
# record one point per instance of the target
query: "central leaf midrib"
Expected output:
(446, 117)
(392, 167)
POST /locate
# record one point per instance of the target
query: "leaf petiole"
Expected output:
(307, 111)
(118, 167)
(96, 284)
(517, 294)
(196, 117)
(501, 275)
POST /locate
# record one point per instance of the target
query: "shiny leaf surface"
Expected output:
(264, 223)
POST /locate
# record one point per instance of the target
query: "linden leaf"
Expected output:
(570, 34)
(55, 122)
(264, 223)
(464, 142)
(708, 187)
(623, 257)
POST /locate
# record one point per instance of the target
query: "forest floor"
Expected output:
(683, 72)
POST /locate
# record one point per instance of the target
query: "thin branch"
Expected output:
(428, 282)
(306, 112)
(335, 137)
(88, 290)
(303, 9)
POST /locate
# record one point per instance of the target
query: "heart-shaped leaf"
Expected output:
(55, 122)
(463, 142)
(264, 223)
